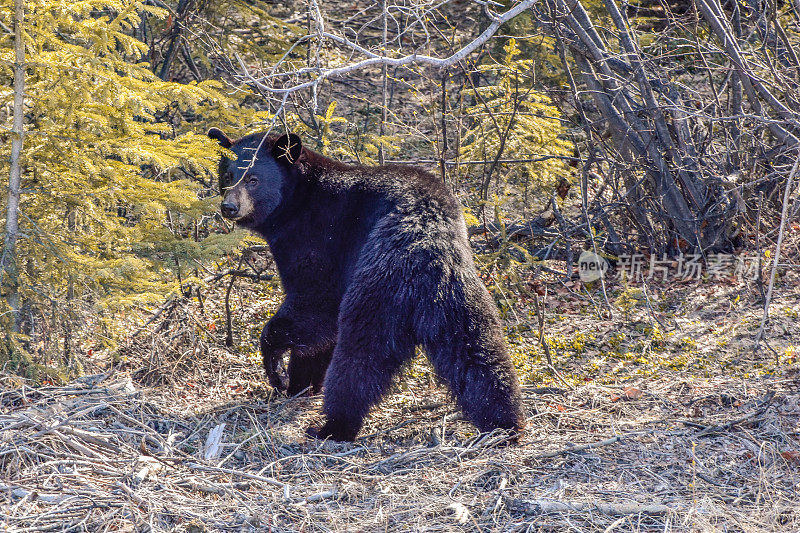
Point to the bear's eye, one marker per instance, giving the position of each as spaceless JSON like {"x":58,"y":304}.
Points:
{"x":252,"y":180}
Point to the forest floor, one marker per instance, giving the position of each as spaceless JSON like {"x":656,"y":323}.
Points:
{"x":660,"y":417}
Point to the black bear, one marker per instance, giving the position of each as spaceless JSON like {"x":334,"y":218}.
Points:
{"x":374,"y":261}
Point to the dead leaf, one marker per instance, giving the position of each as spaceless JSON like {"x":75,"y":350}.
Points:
{"x":632,"y":393}
{"x":563,"y":188}
{"x":538,"y":287}
{"x":791,"y":456}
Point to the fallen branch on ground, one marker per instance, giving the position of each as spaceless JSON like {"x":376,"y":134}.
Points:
{"x":581,"y":448}
{"x":554,"y":506}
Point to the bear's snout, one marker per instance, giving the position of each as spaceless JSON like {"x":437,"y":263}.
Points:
{"x":229,"y":209}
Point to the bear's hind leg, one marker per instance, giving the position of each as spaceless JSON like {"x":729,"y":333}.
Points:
{"x":464,"y":342}
{"x":320,"y":368}
{"x":483,"y":381}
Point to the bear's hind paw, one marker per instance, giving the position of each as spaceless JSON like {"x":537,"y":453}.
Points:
{"x":332,"y":432}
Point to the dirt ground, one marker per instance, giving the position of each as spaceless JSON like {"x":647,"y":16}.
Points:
{"x":660,"y":417}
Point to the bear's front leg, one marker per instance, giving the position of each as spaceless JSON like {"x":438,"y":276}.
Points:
{"x":309,"y":336}
{"x":307,"y":368}
{"x":273,"y":345}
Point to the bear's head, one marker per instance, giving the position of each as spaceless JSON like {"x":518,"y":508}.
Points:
{"x":256,"y":182}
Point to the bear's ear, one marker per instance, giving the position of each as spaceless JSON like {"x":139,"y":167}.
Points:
{"x":221,"y":138}
{"x":287,"y":148}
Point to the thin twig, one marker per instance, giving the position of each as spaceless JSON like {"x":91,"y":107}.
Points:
{"x":786,"y":192}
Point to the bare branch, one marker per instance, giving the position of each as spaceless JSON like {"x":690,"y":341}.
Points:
{"x":373,"y":59}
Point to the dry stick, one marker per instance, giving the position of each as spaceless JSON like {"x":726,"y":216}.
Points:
{"x":558,"y":375}
{"x":187,"y":57}
{"x":8,"y":261}
{"x":19,"y":492}
{"x":384,"y":85}
{"x":322,"y":495}
{"x":752,"y":85}
{"x":539,"y":308}
{"x":581,"y":448}
{"x":228,"y":320}
{"x":656,"y":115}
{"x":86,"y":436}
{"x":565,"y":232}
{"x":785,"y":208}
{"x":132,"y":495}
{"x":585,"y":171}
{"x":374,"y":59}
{"x":504,"y":136}
{"x":150,"y":432}
{"x":239,"y":273}
{"x":759,"y":410}
{"x":247,"y":475}
{"x":155,"y":316}
{"x":443,"y":158}
{"x":457,"y":162}
{"x":497,"y":127}
{"x":622,"y":115}
{"x":760,"y":276}
{"x":175,"y":40}
{"x":553,"y":506}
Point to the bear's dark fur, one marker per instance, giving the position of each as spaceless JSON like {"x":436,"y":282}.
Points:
{"x":374,"y":261}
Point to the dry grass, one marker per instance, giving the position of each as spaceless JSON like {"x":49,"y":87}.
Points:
{"x":613,"y":443}
{"x":105,"y":454}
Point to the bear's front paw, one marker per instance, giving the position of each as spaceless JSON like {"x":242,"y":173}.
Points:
{"x":278,"y":380}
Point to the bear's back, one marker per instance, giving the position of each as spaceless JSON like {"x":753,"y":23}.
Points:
{"x":402,"y":186}
{"x":415,"y":225}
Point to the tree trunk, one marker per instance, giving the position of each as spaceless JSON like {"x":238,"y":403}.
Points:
{"x":9,"y":258}
{"x":175,"y":40}
{"x":385,"y":83}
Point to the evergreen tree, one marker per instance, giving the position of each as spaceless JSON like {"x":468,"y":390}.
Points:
{"x":113,"y":202}
{"x":511,"y":120}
